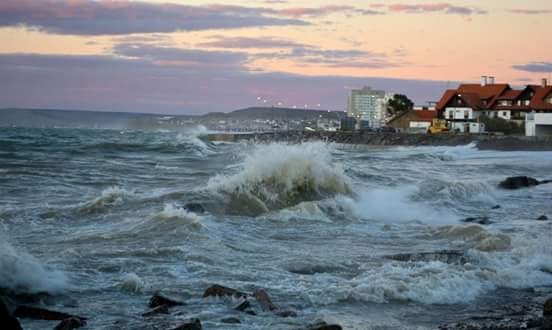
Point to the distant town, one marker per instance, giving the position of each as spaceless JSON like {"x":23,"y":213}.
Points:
{"x":486,"y":107}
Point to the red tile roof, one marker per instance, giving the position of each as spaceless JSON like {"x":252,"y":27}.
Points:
{"x":425,"y":115}
{"x":485,"y":97}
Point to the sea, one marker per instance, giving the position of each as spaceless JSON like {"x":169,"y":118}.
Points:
{"x":93,"y":222}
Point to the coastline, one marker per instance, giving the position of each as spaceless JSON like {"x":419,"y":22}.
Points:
{"x":482,"y":142}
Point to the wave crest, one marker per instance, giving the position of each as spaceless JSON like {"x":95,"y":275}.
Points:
{"x":277,"y":176}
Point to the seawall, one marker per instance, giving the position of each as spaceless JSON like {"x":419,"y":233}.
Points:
{"x":483,"y":142}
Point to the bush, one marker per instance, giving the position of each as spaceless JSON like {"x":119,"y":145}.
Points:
{"x":501,"y":125}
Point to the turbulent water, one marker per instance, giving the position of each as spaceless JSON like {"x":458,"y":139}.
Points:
{"x":93,"y":222}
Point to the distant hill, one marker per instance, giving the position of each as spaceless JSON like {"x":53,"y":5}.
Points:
{"x":98,"y":119}
{"x":276,"y":113}
{"x":66,"y":118}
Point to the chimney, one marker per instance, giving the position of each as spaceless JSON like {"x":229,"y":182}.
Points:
{"x":544,"y":82}
{"x":483,"y":80}
{"x":491,"y":80}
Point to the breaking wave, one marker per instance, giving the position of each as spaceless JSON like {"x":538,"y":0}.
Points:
{"x":22,"y":273}
{"x":108,"y":198}
{"x":278,"y":176}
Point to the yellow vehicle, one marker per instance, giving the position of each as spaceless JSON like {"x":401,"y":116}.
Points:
{"x":438,"y":126}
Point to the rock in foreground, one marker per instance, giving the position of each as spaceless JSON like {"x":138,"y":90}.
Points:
{"x":191,"y":324}
{"x":518,"y":182}
{"x":221,"y":291}
{"x":7,"y":321}
{"x":158,"y":300}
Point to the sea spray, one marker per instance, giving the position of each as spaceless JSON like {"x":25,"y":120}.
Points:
{"x":22,"y":273}
{"x":277,"y":176}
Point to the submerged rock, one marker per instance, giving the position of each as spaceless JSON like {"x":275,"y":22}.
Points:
{"x":191,"y":324}
{"x":446,"y":256}
{"x":162,"y":309}
{"x":322,"y":326}
{"x":242,"y":305}
{"x":285,"y":313}
{"x":542,"y":218}
{"x":158,"y":300}
{"x":194,"y":207}
{"x":518,"y":182}
{"x":70,"y":324}
{"x":479,"y":220}
{"x":264,"y":300}
{"x":231,"y":320}
{"x":221,"y":291}
{"x":42,"y":314}
{"x":496,"y":207}
{"x":7,"y":321}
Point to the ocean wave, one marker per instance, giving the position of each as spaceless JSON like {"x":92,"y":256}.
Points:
{"x":492,"y":260}
{"x":22,"y":273}
{"x":278,"y":176}
{"x":108,"y":198}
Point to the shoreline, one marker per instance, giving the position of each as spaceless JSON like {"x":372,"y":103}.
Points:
{"x":483,"y":142}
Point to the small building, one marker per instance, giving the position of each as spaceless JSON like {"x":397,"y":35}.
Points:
{"x":538,"y":124}
{"x":348,"y":123}
{"x":413,"y":120}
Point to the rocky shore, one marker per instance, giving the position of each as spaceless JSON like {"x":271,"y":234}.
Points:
{"x":483,"y":142}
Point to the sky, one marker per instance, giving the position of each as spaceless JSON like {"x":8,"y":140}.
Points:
{"x":197,"y":56}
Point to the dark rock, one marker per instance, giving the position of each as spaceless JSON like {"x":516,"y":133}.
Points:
{"x":7,"y":321}
{"x":162,"y":309}
{"x":70,"y":324}
{"x":221,"y":291}
{"x":158,"y":300}
{"x":479,"y":220}
{"x":230,"y":320}
{"x":496,"y":207}
{"x":518,"y":182}
{"x":191,"y":324}
{"x":250,"y":312}
{"x":547,"y":308}
{"x":42,"y":314}
{"x":264,"y":299}
{"x":322,"y":326}
{"x":446,"y":256}
{"x":286,"y":313}
{"x":194,"y":207}
{"x":542,"y":218}
{"x":242,"y":305}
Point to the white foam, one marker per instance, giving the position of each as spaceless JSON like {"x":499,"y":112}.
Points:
{"x":109,"y":197}
{"x":132,"y":283}
{"x":394,"y":205}
{"x":21,"y":272}
{"x":285,"y":175}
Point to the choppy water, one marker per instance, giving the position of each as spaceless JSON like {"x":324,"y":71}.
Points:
{"x":95,"y":218}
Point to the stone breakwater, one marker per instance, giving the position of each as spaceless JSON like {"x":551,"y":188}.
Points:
{"x":483,"y":142}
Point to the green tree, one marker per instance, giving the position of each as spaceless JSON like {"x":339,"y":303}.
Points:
{"x":399,"y":103}
{"x":501,"y":125}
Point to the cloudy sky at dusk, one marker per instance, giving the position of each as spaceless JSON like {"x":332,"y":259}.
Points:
{"x":196,"y":56}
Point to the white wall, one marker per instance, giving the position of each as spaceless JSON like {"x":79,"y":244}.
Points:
{"x":419,"y":124}
{"x":538,"y":124}
{"x":459,"y":113}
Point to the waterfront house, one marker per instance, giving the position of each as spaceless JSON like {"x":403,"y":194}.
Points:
{"x":462,"y":107}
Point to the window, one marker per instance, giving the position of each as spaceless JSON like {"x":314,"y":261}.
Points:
{"x":504,"y":114}
{"x":466,"y":114}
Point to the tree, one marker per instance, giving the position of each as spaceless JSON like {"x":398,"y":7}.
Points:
{"x":399,"y":103}
{"x":498,"y":124}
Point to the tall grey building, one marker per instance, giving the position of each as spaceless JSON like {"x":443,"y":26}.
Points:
{"x":368,"y":105}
